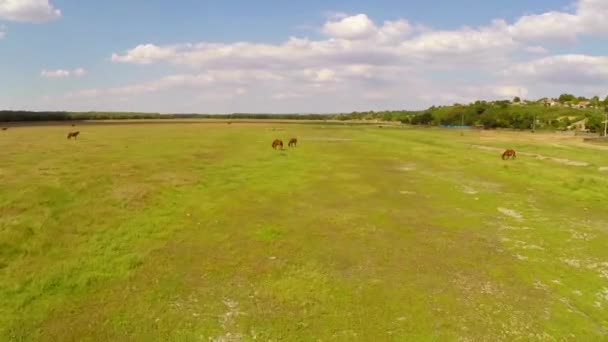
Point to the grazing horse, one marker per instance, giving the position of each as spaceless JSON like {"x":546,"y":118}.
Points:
{"x":293,"y":142}
{"x":277,"y":143}
{"x":4,"y":128}
{"x":73,"y":135}
{"x":509,"y":153}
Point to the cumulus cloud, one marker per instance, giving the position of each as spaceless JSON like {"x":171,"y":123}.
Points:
{"x":146,"y":54}
{"x":510,"y":91}
{"x":358,"y":39}
{"x":564,"y":69}
{"x":61,"y":73}
{"x":32,"y":11}
{"x":385,"y":47}
{"x":588,"y":18}
{"x":550,"y":26}
{"x":363,"y":62}
{"x":354,"y":27}
{"x":536,"y":49}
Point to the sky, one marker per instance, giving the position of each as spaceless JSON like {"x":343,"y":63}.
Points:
{"x":315,"y":56}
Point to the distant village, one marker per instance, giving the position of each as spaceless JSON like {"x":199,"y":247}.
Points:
{"x":568,"y":101}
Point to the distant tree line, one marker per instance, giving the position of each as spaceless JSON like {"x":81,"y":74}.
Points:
{"x":10,"y":116}
{"x":516,"y":114}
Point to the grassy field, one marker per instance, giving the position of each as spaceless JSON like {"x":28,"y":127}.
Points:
{"x":203,"y":232}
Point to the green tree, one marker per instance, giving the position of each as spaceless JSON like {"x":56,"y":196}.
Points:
{"x":516,"y":99}
{"x":566,"y":97}
{"x":423,"y":119}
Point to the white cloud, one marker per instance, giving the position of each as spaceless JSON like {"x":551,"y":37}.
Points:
{"x":145,"y":54}
{"x":471,"y":43}
{"x":510,"y":91}
{"x":61,"y":73}
{"x":537,"y":49}
{"x":588,"y":18}
{"x":321,"y":75}
{"x":354,"y":40}
{"x":33,"y":11}
{"x":286,"y":96}
{"x":79,"y":72}
{"x":564,"y":69}
{"x":362,"y":64}
{"x":394,"y":31}
{"x":354,"y":27}
{"x":85,"y":93}
{"x":550,"y":26}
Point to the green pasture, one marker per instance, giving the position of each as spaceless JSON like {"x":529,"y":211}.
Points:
{"x":186,"y":232}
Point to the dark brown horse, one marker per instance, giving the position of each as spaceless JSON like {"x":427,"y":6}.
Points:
{"x":73,"y":135}
{"x":293,"y":142}
{"x":509,"y":154}
{"x":4,"y":128}
{"x":277,"y":143}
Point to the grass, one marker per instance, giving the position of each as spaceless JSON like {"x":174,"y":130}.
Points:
{"x":203,"y":232}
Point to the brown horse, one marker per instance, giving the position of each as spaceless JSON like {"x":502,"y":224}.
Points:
{"x":4,"y":128}
{"x":509,"y":153}
{"x":277,"y":143}
{"x":293,"y":142}
{"x":73,"y":135}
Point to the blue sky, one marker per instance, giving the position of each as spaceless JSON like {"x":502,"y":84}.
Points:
{"x":299,"y":56}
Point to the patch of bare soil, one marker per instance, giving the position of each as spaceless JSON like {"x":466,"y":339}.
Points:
{"x":603,"y":168}
{"x":406,"y":168}
{"x":227,"y":321}
{"x":132,"y":193}
{"x":558,"y":160}
{"x":511,"y":213}
{"x":469,"y":191}
{"x":174,"y":179}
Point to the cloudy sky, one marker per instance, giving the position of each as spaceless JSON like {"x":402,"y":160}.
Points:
{"x":223,"y":56}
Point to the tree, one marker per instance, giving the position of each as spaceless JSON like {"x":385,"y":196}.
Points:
{"x":595,"y":101}
{"x":566,"y":98}
{"x":516,"y":99}
{"x":423,"y":119}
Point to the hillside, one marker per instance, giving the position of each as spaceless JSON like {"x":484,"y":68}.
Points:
{"x":498,"y":114}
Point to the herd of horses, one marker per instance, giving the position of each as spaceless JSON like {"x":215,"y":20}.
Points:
{"x":293,"y":142}
{"x":278,"y":143}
